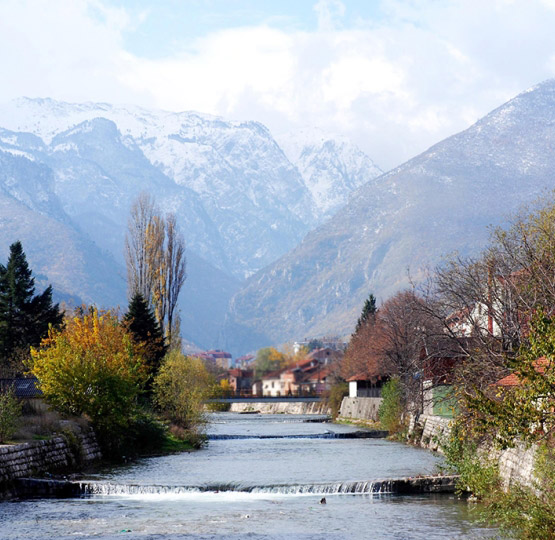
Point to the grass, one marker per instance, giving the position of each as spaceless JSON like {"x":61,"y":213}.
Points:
{"x":359,"y":422}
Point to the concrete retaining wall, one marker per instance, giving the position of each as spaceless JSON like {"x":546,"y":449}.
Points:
{"x":360,"y":408}
{"x":39,"y":457}
{"x":298,"y":407}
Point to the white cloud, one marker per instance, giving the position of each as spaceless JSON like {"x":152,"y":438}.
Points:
{"x":328,"y":12}
{"x":396,"y":85}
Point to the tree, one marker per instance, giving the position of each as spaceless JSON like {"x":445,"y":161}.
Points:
{"x":24,"y":316}
{"x":91,"y":367}
{"x":368,"y":311}
{"x":143,"y":243}
{"x":390,"y":343}
{"x":156,"y":263}
{"x":484,"y":304}
{"x":269,"y":359}
{"x":180,"y":388}
{"x":144,"y":327}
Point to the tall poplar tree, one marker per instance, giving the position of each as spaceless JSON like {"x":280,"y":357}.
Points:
{"x":156,"y":263}
{"x":24,"y":316}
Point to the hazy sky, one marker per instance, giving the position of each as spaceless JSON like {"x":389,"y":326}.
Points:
{"x":395,"y":76}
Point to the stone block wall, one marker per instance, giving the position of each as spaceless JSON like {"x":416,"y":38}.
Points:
{"x":360,"y":408}
{"x":435,"y":431}
{"x":39,"y":457}
{"x":516,"y":465}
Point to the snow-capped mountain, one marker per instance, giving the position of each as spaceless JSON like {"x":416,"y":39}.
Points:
{"x":331,"y":167}
{"x":239,"y":200}
{"x":404,"y":221}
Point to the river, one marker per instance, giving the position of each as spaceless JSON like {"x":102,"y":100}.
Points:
{"x":260,"y":476}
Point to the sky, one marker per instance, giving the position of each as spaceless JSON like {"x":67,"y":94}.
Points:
{"x":394,"y":76}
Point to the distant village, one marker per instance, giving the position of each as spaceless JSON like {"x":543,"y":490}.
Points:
{"x":312,"y":374}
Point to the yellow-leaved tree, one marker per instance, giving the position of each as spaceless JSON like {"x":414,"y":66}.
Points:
{"x":91,"y":367}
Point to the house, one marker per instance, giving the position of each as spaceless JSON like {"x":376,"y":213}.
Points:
{"x":240,"y":381}
{"x":272,"y":384}
{"x":311,"y":376}
{"x":220,"y":358}
{"x":513,"y":380}
{"x":327,"y":342}
{"x":366,"y":385}
{"x":244,"y":362}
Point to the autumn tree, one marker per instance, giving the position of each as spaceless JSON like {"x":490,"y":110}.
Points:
{"x":143,"y":245}
{"x":405,"y":328}
{"x":91,"y":367}
{"x":390,"y":342}
{"x":364,"y":354}
{"x":180,"y":388}
{"x":156,"y":263}
{"x":269,"y":359}
{"x":24,"y":316}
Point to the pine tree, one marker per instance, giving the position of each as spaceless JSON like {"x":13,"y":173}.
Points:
{"x":24,"y":317}
{"x":369,"y":310}
{"x":146,"y":332}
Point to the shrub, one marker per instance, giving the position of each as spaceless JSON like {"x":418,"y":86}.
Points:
{"x":391,"y":409}
{"x":10,"y":414}
{"x":335,"y":396}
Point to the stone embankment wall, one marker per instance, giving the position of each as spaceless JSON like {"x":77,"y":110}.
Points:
{"x":39,"y":457}
{"x":295,"y":407}
{"x":516,"y":465}
{"x":360,"y":408}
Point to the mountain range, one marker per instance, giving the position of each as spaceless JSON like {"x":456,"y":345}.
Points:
{"x":71,"y":171}
{"x":286,"y":236}
{"x":403,"y":223}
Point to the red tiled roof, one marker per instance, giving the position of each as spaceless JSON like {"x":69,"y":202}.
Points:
{"x":514,"y":380}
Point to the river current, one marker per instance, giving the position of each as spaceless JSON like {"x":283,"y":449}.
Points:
{"x":259,"y":477}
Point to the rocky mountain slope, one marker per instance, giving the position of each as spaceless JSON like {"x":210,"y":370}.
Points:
{"x":406,"y":220}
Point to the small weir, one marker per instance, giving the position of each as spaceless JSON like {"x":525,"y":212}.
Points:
{"x":33,"y":488}
{"x":363,"y":434}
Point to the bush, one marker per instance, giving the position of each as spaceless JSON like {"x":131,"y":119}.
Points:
{"x":180,"y":388}
{"x":10,"y":414}
{"x":391,"y":409}
{"x":335,"y":396}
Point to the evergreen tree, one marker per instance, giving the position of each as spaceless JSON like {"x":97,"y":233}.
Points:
{"x":369,"y":310}
{"x":146,"y":331}
{"x":24,"y":317}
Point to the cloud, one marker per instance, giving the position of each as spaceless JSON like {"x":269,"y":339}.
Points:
{"x":395,"y":84}
{"x":328,"y":12}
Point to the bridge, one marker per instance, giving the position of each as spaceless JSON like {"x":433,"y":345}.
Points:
{"x":267,"y":399}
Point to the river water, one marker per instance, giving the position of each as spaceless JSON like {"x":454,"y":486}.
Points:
{"x":260,"y":476}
